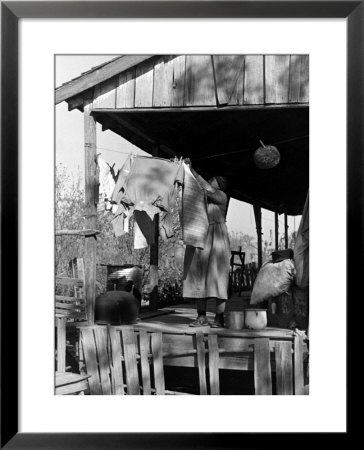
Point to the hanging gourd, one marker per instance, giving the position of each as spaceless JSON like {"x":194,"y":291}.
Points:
{"x":267,"y":156}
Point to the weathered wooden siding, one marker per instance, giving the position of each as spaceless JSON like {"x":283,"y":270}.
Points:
{"x":207,"y":80}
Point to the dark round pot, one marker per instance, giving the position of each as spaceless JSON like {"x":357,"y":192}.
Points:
{"x":116,"y":308}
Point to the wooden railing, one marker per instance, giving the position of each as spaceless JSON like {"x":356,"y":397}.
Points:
{"x":121,"y":359}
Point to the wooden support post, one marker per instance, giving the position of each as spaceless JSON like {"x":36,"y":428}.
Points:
{"x":61,"y":344}
{"x":258,"y":224}
{"x":91,"y":183}
{"x":285,"y":230}
{"x":153,"y":261}
{"x":276,"y":230}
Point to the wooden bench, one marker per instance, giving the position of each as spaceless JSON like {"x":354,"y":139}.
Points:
{"x":112,"y":352}
{"x":258,"y":352}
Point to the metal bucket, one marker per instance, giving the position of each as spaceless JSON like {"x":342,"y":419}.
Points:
{"x":235,"y":320}
{"x":119,"y":276}
{"x":255,"y":318}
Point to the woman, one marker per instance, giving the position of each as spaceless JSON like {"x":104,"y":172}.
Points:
{"x":208,"y":268}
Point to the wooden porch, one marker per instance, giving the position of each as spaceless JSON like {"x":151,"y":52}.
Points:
{"x":143,"y":353}
{"x":214,"y":109}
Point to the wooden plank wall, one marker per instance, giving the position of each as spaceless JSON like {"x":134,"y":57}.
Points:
{"x":207,"y":80}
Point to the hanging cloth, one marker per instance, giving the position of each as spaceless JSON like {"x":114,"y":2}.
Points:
{"x":194,"y":219}
{"x":106,"y":180}
{"x":148,"y":185}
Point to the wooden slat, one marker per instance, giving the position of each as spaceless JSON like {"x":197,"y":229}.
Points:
{"x":236,"y":344}
{"x":284,"y":373}
{"x":105,"y":94}
{"x":126,"y":90}
{"x":69,"y":314}
{"x":103,"y":359}
{"x":61,"y":344}
{"x":298,"y":366}
{"x":200,"y":83}
{"x":87,"y":232}
{"x":64,"y":298}
{"x":276,"y":78}
{"x":65,"y":378}
{"x":299,"y":79}
{"x":80,"y":266}
{"x":229,"y":74}
{"x":91,"y":210}
{"x":201,"y":361}
{"x":117,"y":370}
{"x":89,"y":80}
{"x":144,"y":361}
{"x":72,"y":389}
{"x":163,"y":82}
{"x":253,"y":80}
{"x":262,"y":369}
{"x":89,"y":351}
{"x":179,"y":77}
{"x":70,"y":306}
{"x":157,"y":354}
{"x":144,"y":76}
{"x":69,"y":281}
{"x":169,"y":81}
{"x":130,"y":355}
{"x":237,"y":96}
{"x":214,"y":365}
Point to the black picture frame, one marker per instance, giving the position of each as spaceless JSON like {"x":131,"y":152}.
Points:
{"x":11,"y":12}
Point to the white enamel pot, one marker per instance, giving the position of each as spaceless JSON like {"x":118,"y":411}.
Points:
{"x":255,"y":319}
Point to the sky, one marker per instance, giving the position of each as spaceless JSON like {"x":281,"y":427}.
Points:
{"x":114,"y":149}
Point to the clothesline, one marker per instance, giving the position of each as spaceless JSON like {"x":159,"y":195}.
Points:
{"x":218,"y":154}
{"x":252,"y":148}
{"x":116,"y":151}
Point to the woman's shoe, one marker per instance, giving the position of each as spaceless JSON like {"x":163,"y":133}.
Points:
{"x":201,"y":321}
{"x":218,"y":322}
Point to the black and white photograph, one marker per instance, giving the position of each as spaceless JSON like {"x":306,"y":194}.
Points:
{"x":181,"y":224}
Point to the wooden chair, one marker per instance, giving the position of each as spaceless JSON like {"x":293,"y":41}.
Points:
{"x":69,"y":310}
{"x":236,"y":275}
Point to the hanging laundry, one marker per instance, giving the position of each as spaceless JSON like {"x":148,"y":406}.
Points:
{"x":195,"y":222}
{"x":139,"y":239}
{"x":127,"y":217}
{"x":118,"y":225}
{"x":123,"y":174}
{"x":147,"y":186}
{"x":106,"y":181}
{"x":146,"y":225}
{"x":166,"y":230}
